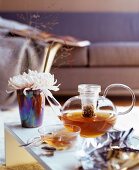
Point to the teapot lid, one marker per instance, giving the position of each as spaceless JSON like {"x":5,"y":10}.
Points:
{"x":89,"y":88}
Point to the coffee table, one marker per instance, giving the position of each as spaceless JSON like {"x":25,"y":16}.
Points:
{"x":15,"y":135}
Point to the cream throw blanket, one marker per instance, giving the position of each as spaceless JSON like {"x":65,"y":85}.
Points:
{"x":17,"y":55}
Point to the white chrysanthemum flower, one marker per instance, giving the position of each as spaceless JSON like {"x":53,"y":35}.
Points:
{"x":33,"y":80}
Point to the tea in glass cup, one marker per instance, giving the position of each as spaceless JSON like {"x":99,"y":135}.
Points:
{"x":60,"y":136}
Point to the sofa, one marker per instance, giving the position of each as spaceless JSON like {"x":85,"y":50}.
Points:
{"x":112,"y":57}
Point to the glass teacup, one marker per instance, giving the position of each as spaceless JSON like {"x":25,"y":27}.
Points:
{"x":60,"y":136}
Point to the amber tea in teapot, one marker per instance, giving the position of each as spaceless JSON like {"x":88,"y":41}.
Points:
{"x":94,"y":114}
{"x":90,"y":126}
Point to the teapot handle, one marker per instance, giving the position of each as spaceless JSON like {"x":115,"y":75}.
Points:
{"x":126,"y":87}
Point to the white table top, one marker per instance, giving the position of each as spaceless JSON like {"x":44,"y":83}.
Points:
{"x":62,"y":160}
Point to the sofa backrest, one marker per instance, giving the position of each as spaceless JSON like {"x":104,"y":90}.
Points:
{"x":94,"y":26}
{"x":99,"y":27}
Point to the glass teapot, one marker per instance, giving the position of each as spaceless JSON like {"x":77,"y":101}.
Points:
{"x":94,"y":114}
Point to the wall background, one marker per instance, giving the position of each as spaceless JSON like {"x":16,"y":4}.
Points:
{"x":70,"y":5}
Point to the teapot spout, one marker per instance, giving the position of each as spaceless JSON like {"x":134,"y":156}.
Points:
{"x":55,"y":105}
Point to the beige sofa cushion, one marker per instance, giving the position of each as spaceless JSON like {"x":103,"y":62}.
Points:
{"x":104,"y":76}
{"x":114,"y":54}
{"x":71,"y":56}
